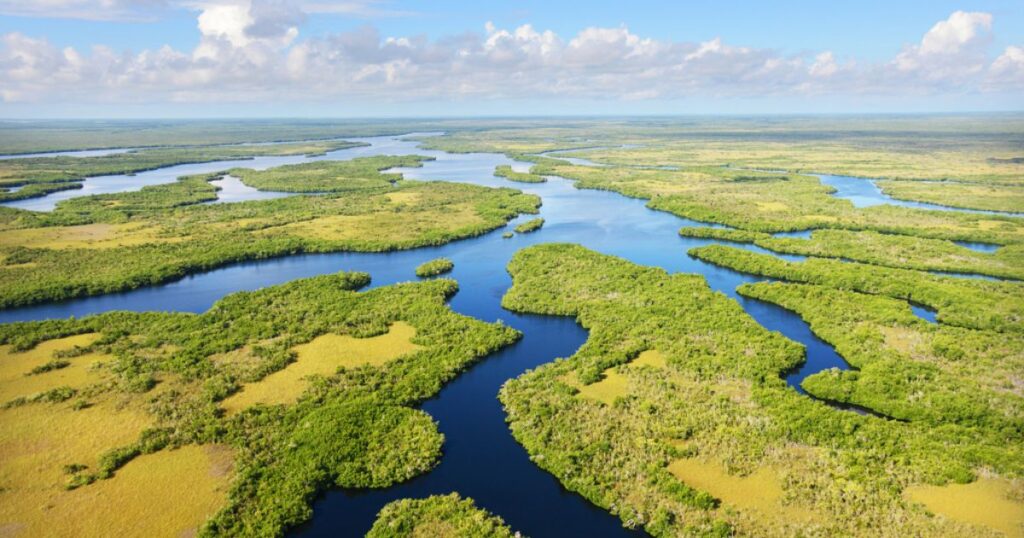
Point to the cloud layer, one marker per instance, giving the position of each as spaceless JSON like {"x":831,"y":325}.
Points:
{"x":251,"y":51}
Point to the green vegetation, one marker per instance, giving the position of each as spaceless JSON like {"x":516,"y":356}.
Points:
{"x":969,"y":303}
{"x":907,"y":368}
{"x":114,"y":242}
{"x":506,"y":171}
{"x":888,"y":250}
{"x":173,"y":370}
{"x":531,"y":225}
{"x":438,"y":515}
{"x":329,"y":176}
{"x":717,"y":397}
{"x":434,"y":267}
{"x":41,"y":175}
{"x":955,"y":194}
{"x":43,"y":136}
{"x":718,"y":161}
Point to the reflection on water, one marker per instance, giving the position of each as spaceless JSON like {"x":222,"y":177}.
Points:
{"x":231,"y":189}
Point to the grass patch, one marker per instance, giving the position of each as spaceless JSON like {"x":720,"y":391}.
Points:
{"x":323,"y":357}
{"x":24,"y":374}
{"x":135,"y":501}
{"x":760,"y":492}
{"x":987,"y":502}
{"x":37,"y":441}
{"x":90,"y":236}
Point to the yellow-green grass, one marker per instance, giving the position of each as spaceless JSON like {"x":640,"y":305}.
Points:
{"x":97,"y":235}
{"x":169,"y":493}
{"x":324,"y":356}
{"x":987,"y":502}
{"x":393,"y":226}
{"x":615,"y":384}
{"x":17,"y":379}
{"x":990,"y":197}
{"x":38,"y":440}
{"x":651,"y":357}
{"x":759,"y":493}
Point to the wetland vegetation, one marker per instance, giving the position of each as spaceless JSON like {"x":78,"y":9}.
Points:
{"x":675,"y":415}
{"x":113,"y":242}
{"x":149,"y":383}
{"x":434,"y":267}
{"x":717,"y":396}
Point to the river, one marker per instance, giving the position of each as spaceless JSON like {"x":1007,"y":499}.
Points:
{"x":481,"y":459}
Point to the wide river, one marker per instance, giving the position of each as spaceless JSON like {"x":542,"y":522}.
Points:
{"x":481,"y":459}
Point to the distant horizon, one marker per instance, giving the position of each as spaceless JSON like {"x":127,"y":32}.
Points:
{"x":523,"y":116}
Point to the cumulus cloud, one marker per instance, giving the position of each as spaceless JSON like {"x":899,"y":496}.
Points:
{"x":251,"y":50}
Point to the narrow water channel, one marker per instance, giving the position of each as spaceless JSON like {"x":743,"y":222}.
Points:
{"x":481,"y":459}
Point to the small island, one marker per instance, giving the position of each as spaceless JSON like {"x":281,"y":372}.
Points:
{"x":434,"y":267}
{"x":531,"y":225}
{"x":506,"y":171}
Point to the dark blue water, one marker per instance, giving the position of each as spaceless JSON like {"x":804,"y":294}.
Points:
{"x":481,"y":459}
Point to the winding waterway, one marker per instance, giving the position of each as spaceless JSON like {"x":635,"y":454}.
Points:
{"x":481,"y":459}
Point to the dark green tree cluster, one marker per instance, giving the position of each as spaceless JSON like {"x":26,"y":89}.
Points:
{"x":450,"y":516}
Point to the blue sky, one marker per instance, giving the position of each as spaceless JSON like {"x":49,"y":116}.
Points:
{"x":311,"y":57}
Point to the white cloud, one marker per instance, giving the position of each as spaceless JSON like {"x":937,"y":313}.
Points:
{"x":251,"y":51}
{"x":953,"y":34}
{"x":953,"y":50}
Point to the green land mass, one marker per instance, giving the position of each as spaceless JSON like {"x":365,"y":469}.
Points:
{"x":434,"y":267}
{"x":113,"y":242}
{"x":43,"y":175}
{"x":176,"y":369}
{"x":674,"y":417}
{"x":439,"y":515}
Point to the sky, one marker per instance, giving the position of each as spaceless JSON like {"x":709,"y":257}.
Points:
{"x":379,"y":58}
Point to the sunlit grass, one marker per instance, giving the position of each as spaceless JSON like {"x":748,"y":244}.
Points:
{"x":986,"y":502}
{"x":760,"y":492}
{"x":38,"y":440}
{"x":168,"y":493}
{"x":615,"y":384}
{"x":16,"y":368}
{"x":323,"y":356}
{"x":99,"y":235}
